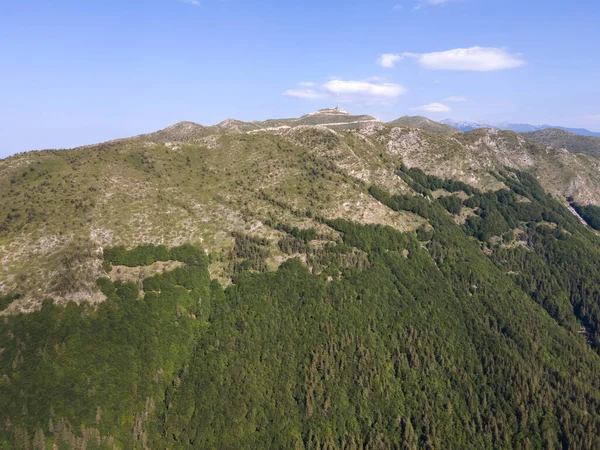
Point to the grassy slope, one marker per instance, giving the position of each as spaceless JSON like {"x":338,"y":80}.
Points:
{"x":69,"y":204}
{"x":428,"y":345}
{"x":196,"y":184}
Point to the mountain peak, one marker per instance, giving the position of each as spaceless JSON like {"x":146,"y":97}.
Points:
{"x":329,"y":111}
{"x":184,"y":125}
{"x":423,"y":123}
{"x":181,"y":131}
{"x":335,"y":117}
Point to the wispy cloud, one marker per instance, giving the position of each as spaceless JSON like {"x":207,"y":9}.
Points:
{"x":307,"y":84}
{"x":372,"y":90}
{"x":389,"y":60}
{"x":439,"y":107}
{"x":365,"y":88}
{"x":477,"y":59}
{"x":455,"y":99}
{"x":430,"y":2}
{"x":191,"y":2}
{"x":433,"y":108}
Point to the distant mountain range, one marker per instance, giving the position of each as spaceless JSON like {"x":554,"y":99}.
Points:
{"x":516,"y":127}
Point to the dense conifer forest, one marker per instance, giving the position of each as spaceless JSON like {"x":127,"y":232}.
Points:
{"x":589,"y":213}
{"x":479,"y":335}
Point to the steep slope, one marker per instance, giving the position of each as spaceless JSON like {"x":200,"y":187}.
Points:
{"x":563,"y":139}
{"x":62,"y":207}
{"x":197,"y":184}
{"x":422,"y":123}
{"x":474,"y":157}
{"x":381,"y":354}
{"x":379,"y":339}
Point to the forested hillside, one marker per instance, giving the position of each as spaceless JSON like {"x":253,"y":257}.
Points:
{"x":480,"y":329}
{"x":220,"y":229}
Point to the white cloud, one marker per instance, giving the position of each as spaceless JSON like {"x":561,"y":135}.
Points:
{"x":434,"y":108}
{"x":191,"y":2}
{"x":389,"y":60}
{"x":371,"y":90}
{"x":455,"y":99}
{"x":306,"y":83}
{"x":374,"y":90}
{"x":304,"y":93}
{"x":478,"y":59}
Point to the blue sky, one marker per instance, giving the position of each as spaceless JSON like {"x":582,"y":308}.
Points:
{"x":74,"y":72}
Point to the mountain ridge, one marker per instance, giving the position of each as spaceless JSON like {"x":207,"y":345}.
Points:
{"x":559,"y":138}
{"x":197,"y":173}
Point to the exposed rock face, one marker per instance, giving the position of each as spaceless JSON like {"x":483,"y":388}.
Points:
{"x":473,"y":157}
